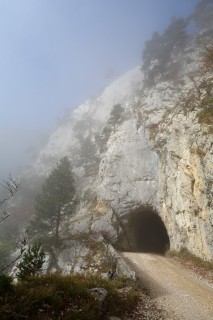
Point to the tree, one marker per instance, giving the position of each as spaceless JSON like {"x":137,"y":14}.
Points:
{"x":32,"y":262}
{"x":115,"y":115}
{"x":175,"y":35}
{"x":159,"y":51}
{"x":11,"y":186}
{"x":102,"y":138}
{"x":84,"y":126}
{"x":203,"y":15}
{"x":152,"y":49}
{"x":54,"y":203}
{"x":88,"y":156}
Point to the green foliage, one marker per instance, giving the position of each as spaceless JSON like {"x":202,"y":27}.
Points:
{"x":32,"y":262}
{"x":68,"y":297}
{"x":54,"y":203}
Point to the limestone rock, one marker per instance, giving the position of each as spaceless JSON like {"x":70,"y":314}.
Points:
{"x":100,"y":294}
{"x":159,"y":155}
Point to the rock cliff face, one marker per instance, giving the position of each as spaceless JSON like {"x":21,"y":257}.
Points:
{"x":157,"y":159}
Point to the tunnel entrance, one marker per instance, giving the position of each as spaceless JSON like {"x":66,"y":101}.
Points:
{"x":145,"y":232}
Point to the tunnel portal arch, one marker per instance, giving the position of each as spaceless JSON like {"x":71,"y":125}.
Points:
{"x":145,"y":232}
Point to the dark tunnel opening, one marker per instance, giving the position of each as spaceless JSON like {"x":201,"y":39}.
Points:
{"x":145,"y":232}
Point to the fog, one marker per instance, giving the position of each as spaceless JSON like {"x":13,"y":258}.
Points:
{"x":55,"y":54}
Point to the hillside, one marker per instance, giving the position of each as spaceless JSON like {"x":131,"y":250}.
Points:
{"x":154,"y":161}
{"x":141,"y":152}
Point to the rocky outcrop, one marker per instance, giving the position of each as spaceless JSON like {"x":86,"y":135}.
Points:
{"x":159,"y":156}
{"x":185,"y":186}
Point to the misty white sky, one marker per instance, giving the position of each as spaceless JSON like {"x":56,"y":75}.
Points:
{"x":57,"y":53}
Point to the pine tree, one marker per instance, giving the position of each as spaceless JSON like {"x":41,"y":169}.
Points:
{"x":32,"y":262}
{"x":102,"y":138}
{"x":115,"y":115}
{"x":175,"y":35}
{"x":54,"y":203}
{"x":160,"y":49}
{"x":152,"y":49}
{"x":203,"y":14}
{"x":88,"y":156}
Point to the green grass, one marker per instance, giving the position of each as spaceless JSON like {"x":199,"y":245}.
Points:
{"x":66,"y":297}
{"x":185,"y":255}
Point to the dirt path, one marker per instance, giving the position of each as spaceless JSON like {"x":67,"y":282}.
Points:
{"x":177,"y":290}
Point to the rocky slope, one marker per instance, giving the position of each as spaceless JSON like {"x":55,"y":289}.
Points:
{"x":158,"y":157}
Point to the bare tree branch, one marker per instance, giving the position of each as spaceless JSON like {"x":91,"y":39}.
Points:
{"x":11,"y":185}
{"x":23,"y":244}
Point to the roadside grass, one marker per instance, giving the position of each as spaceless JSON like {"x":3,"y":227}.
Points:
{"x":188,"y":258}
{"x":52,"y":297}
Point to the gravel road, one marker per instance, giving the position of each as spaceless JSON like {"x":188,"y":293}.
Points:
{"x":177,"y":290}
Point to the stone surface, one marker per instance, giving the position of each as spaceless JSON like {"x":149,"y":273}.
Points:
{"x":100,"y":294}
{"x":128,"y":171}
